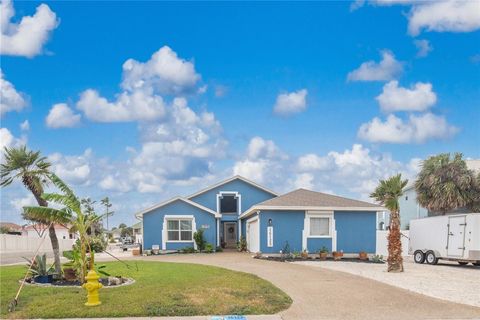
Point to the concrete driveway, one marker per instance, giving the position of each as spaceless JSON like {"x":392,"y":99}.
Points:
{"x":320,"y":293}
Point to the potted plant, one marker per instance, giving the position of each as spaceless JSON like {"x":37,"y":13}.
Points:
{"x":323,"y":253}
{"x":40,"y":271}
{"x":337,"y":255}
{"x":304,"y":254}
{"x":363,"y":255}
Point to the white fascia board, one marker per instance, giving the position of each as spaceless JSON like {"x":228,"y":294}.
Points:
{"x":141,"y":213}
{"x":309,"y":208}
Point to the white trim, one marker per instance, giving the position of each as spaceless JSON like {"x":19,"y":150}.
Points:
{"x":165,"y":231}
{"x":254,"y":208}
{"x":229,"y":180}
{"x":218,"y":232}
{"x":237,"y":195}
{"x":247,"y":231}
{"x":332,"y":227}
{"x":141,"y":213}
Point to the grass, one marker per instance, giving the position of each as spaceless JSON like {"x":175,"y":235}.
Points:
{"x":161,"y":289}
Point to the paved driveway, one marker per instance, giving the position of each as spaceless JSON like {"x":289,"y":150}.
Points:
{"x":320,"y":293}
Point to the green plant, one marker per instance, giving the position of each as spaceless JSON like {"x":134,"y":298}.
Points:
{"x":296,"y":254}
{"x":38,"y":266}
{"x":377,"y":258}
{"x":219,"y":249}
{"x":33,"y":170}
{"x":387,"y":193}
{"x":445,"y":183}
{"x":187,"y":250}
{"x":285,"y":252}
{"x":95,"y":243}
{"x":199,"y":240}
{"x":242,"y":244}
{"x":208,"y":248}
{"x":324,"y":250}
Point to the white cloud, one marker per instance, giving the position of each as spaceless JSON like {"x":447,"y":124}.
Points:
{"x":387,"y":69}
{"x":27,"y":37}
{"x":8,"y":140}
{"x":419,"y":97}
{"x":25,"y":126}
{"x":10,"y":98}
{"x":165,"y":72}
{"x":19,"y":203}
{"x":445,"y":16}
{"x":61,"y":116}
{"x":424,"y":47}
{"x":291,"y":103}
{"x":114,"y":183}
{"x":312,"y":161}
{"x":135,"y":106}
{"x":417,"y":129}
{"x":73,"y":169}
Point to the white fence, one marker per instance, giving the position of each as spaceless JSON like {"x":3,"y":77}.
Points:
{"x":12,"y":243}
{"x":382,"y":242}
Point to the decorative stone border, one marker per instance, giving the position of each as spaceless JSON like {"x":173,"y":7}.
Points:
{"x":128,"y":282}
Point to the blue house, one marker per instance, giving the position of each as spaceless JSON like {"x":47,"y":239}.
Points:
{"x":238,"y":207}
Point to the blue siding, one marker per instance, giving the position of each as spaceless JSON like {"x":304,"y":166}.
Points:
{"x":315,"y":244}
{"x":153,"y":224}
{"x":356,"y":231}
{"x":250,"y":195}
{"x":287,"y":226}
{"x":179,"y":245}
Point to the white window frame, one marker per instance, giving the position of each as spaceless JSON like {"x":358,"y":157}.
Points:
{"x":179,"y":229}
{"x":165,"y":231}
{"x":311,"y":215}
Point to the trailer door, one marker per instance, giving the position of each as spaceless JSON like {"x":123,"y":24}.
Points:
{"x":456,"y":236}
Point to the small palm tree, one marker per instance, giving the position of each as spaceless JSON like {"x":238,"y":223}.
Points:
{"x":445,"y":183}
{"x":387,"y":193}
{"x":70,"y":213}
{"x":33,"y":171}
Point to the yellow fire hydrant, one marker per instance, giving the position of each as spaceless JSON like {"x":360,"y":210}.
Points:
{"x":92,"y":285}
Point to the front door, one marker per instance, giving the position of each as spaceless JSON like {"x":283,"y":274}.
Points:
{"x":456,"y":236}
{"x":230,"y":234}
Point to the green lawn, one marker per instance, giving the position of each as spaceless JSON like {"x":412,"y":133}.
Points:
{"x":161,"y":289}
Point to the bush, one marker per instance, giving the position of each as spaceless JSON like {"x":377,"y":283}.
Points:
{"x":324,"y":250}
{"x":97,"y":244}
{"x":208,"y":248}
{"x":199,"y":240}
{"x":242,"y":244}
{"x":187,"y":250}
{"x":219,"y":249}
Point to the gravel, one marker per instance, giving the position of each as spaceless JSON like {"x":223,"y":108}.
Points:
{"x":447,"y":280}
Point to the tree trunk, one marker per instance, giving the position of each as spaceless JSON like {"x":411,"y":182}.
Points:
{"x":28,"y":182}
{"x":395,"y":259}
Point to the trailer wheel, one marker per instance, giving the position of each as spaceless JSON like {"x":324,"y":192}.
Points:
{"x":462,"y":263}
{"x":419,"y":256}
{"x":430,"y":257}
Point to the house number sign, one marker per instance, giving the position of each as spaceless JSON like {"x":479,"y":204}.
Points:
{"x":205,"y":226}
{"x":270,"y":236}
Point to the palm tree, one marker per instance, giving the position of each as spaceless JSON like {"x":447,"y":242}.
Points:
{"x":70,"y":213}
{"x":106,"y":202}
{"x":446,"y":183}
{"x":387,"y":193}
{"x":33,"y":170}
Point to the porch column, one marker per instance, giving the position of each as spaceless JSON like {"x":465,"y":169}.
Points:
{"x":218,"y":232}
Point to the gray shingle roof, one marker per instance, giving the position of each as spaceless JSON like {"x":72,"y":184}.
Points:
{"x":307,"y":198}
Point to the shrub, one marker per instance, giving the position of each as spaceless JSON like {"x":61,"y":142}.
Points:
{"x":219,"y":249}
{"x":242,"y":244}
{"x":97,"y":244}
{"x":199,"y":240}
{"x":187,"y":250}
{"x":324,"y":250}
{"x":208,"y":248}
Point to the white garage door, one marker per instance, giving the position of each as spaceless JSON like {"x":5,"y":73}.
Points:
{"x":252,"y":236}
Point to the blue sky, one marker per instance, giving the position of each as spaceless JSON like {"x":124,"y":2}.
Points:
{"x":272,"y":91}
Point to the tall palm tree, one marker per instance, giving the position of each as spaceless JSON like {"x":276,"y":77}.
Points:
{"x":446,"y":183}
{"x":33,"y":171}
{"x":387,"y":193}
{"x":106,"y":202}
{"x":72,"y":213}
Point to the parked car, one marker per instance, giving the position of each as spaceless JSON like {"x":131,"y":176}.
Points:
{"x":451,"y":237}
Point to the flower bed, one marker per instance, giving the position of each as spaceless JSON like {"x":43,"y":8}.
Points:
{"x":110,"y":282}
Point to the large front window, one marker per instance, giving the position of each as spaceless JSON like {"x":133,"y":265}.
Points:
{"x":319,"y":226}
{"x":179,"y":229}
{"x":228,"y":204}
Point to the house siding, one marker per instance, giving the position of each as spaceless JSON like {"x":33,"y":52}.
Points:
{"x":250,"y":194}
{"x":315,"y":244}
{"x":410,"y":209}
{"x":287,"y":227}
{"x":153,"y":224}
{"x":356,"y":231}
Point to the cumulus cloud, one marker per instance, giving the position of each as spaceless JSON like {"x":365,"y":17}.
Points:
{"x":419,"y":97}
{"x":73,"y":169}
{"x":8,"y":140}
{"x":387,"y":69}
{"x":445,"y":16}
{"x":27,"y":37}
{"x":10,"y":98}
{"x":418,"y":129}
{"x":291,"y":103}
{"x":165,"y":72}
{"x":115,"y":183}
{"x":61,"y":116}
{"x":25,"y":126}
{"x":424,"y":47}
{"x":19,"y":203}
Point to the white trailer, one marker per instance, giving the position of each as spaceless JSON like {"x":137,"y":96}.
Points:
{"x":450,"y":237}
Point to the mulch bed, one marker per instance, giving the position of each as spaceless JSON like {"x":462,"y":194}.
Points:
{"x":315,"y":259}
{"x":76,"y":283}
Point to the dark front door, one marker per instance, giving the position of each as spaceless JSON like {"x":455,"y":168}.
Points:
{"x":230,"y":234}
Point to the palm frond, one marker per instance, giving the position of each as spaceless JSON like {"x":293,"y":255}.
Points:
{"x":47,"y":215}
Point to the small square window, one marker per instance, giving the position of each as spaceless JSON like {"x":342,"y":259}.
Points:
{"x":319,"y":226}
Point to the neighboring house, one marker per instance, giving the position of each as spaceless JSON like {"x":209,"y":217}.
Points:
{"x":137,"y":232}
{"x":38,"y":230}
{"x":238,"y":207}
{"x":409,"y":207}
{"x":12,"y":228}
